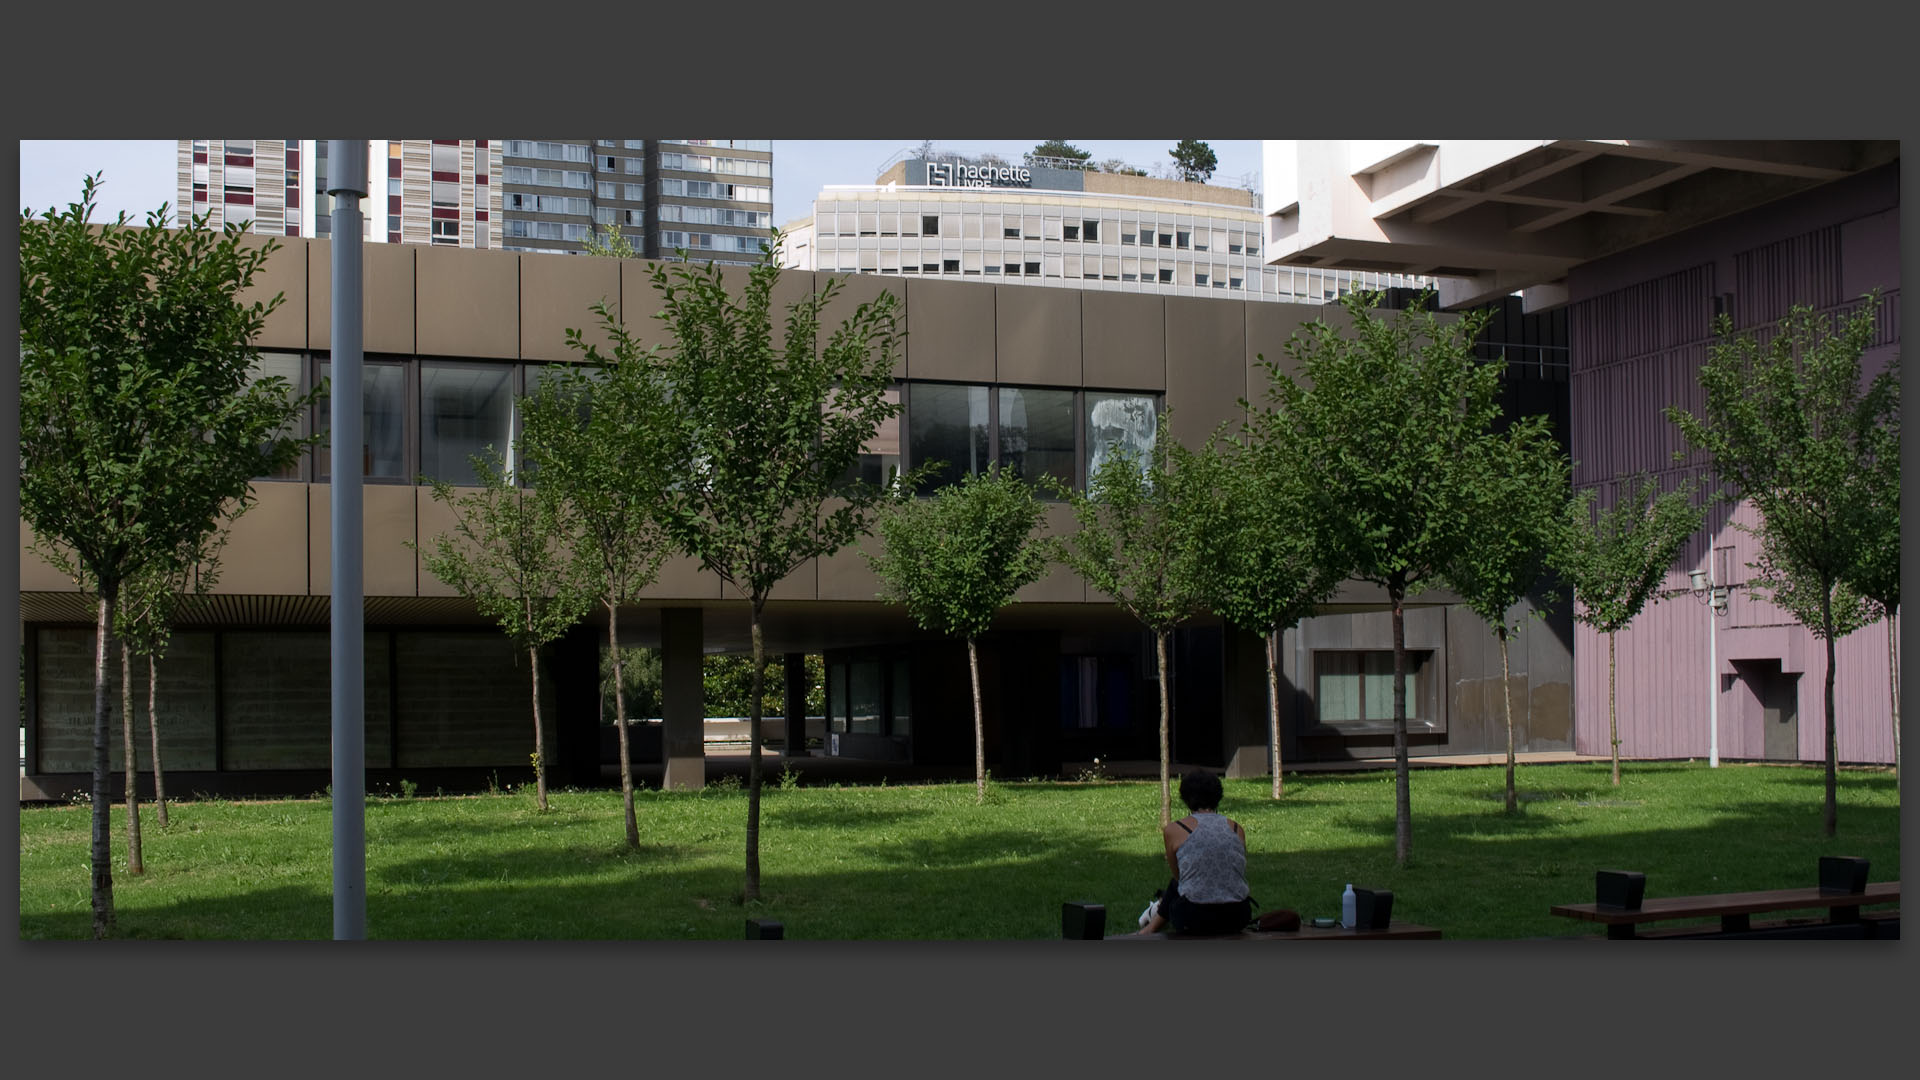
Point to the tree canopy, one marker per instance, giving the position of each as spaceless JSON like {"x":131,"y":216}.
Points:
{"x":1057,"y":148}
{"x":141,"y":424}
{"x":1194,"y":159}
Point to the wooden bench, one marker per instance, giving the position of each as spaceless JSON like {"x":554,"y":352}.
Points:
{"x":1620,"y":908}
{"x":1087,"y":922}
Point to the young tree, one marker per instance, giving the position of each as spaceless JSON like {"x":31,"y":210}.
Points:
{"x":139,"y":424}
{"x":514,"y":552}
{"x":955,"y":560}
{"x":1058,"y":148}
{"x":1387,"y":428}
{"x":1522,"y":496}
{"x":145,"y":626}
{"x":767,"y":431}
{"x":609,"y":243}
{"x":596,"y":437}
{"x":1137,"y":543}
{"x":1789,"y":426}
{"x":1614,"y":560}
{"x":1194,"y":159}
{"x":1262,"y":567}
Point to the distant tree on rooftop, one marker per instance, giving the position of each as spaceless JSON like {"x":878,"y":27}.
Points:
{"x":1058,"y":148}
{"x":1195,"y":160}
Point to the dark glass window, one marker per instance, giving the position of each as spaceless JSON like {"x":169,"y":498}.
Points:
{"x":292,"y":368}
{"x":864,"y":697}
{"x":383,"y":421}
{"x":465,"y":410}
{"x":948,"y":424}
{"x":1036,"y":434}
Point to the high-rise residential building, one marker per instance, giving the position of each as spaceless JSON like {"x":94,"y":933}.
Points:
{"x":1054,"y":222}
{"x":713,"y":197}
{"x":437,"y":191}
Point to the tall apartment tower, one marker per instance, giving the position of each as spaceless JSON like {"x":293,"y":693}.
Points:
{"x":713,"y":197}
{"x":436,"y":191}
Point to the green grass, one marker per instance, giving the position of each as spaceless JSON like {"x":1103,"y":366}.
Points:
{"x":926,"y":863}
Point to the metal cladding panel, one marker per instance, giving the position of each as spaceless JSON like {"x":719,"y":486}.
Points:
{"x":469,"y":302}
{"x":1206,"y":366}
{"x":640,"y":301}
{"x":1058,"y":584}
{"x":266,"y":548}
{"x":435,"y":518}
{"x":850,"y":292}
{"x":1124,"y":340}
{"x":1037,"y":335}
{"x":387,"y":566}
{"x":1269,"y":328}
{"x":284,"y":274}
{"x":557,"y":293}
{"x":386,"y":297}
{"x":950,"y":331}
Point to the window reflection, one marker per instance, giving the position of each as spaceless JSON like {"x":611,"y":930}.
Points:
{"x":1036,"y":434}
{"x":465,"y":410}
{"x":383,"y":421}
{"x":948,"y":424}
{"x":1120,"y":423}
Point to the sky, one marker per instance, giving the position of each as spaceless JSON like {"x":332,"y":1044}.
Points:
{"x":139,"y":175}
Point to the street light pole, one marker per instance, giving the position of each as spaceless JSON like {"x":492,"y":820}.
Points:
{"x":347,"y":183}
{"x":1715,"y":597}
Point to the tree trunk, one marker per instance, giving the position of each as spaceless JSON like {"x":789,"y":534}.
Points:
{"x":1273,"y":708}
{"x":153,"y":732}
{"x":753,"y":756}
{"x":1613,"y":719}
{"x":134,"y":865}
{"x":1166,"y":790}
{"x":539,"y":735}
{"x":620,"y":726}
{"x":1826,"y":627}
{"x":1506,"y":699}
{"x":1402,"y":782}
{"x":979,"y":727}
{"x":101,"y":852}
{"x":1893,"y":688}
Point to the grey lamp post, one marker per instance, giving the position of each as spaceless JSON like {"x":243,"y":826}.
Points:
{"x":1715,"y":597}
{"x":347,"y":184}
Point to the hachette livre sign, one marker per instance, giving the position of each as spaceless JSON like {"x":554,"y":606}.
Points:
{"x":947,"y":174}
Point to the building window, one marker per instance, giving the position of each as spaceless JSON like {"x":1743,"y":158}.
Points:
{"x":1090,"y":231}
{"x":837,"y":697}
{"x":446,"y":193}
{"x":1166,"y":275}
{"x":1353,"y":690}
{"x":1120,"y":423}
{"x":290,"y":367}
{"x":1070,"y":232}
{"x":383,"y":422}
{"x":1166,"y":239}
{"x":446,"y":231}
{"x":948,"y":424}
{"x":465,"y":410}
{"x":446,"y":159}
{"x":1036,"y":435}
{"x":1033,"y":269}
{"x":950,"y":266}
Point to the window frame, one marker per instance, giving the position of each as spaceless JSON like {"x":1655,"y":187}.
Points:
{"x":1427,"y":717}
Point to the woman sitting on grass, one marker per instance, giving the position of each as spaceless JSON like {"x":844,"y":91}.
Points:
{"x":1208,"y":855}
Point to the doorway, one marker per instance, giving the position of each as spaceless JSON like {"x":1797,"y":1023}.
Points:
{"x":1778,"y":695}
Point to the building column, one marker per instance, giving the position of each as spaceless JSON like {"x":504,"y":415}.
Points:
{"x":796,"y":701}
{"x":683,"y":742}
{"x":1244,"y":717}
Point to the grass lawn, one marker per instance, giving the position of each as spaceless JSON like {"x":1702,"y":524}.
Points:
{"x":926,"y":863}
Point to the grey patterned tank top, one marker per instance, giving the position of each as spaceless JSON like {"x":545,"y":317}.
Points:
{"x":1213,"y":862}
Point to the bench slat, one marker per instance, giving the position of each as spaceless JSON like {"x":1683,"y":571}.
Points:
{"x":1745,"y":903}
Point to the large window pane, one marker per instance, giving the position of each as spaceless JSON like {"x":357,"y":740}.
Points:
{"x":290,"y":368}
{"x":383,"y":421}
{"x":275,"y":692}
{"x":837,"y":697}
{"x":1117,"y":422}
{"x":879,"y":457}
{"x":948,"y":424}
{"x":1036,"y":434}
{"x":1338,"y":688}
{"x":465,"y":409}
{"x":865,"y":697}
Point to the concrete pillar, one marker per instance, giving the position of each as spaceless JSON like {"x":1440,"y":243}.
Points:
{"x":685,"y":706}
{"x":1244,"y":714}
{"x":796,"y":700}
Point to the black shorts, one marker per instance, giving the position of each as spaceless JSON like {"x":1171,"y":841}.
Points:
{"x":1186,"y":917}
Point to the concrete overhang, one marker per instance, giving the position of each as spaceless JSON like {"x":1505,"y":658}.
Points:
{"x":1490,"y":219}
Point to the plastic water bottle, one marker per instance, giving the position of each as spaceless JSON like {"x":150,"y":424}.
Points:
{"x":1346,"y":907}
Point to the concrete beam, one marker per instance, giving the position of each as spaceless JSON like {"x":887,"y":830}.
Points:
{"x":684,"y":708}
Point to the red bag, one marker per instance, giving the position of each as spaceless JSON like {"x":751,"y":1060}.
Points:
{"x":1282,"y":920}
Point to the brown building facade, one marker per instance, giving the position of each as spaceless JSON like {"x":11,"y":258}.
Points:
{"x":452,"y":336}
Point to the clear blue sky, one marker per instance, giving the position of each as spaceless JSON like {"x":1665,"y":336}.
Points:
{"x":140,"y":175}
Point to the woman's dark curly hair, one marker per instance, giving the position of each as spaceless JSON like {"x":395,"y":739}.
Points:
{"x":1200,"y":790}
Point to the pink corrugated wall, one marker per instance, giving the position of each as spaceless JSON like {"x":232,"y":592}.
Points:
{"x":1637,"y":348}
